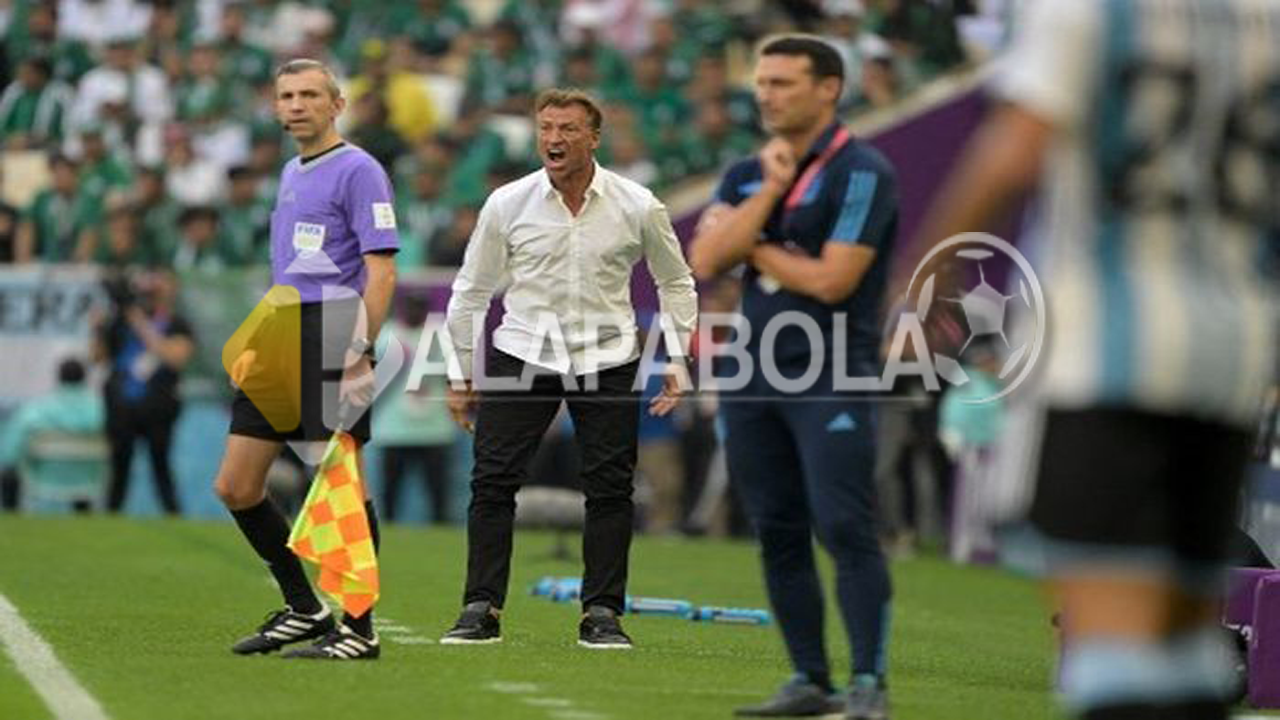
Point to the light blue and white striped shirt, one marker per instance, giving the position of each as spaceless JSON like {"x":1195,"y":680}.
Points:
{"x":1156,"y":238}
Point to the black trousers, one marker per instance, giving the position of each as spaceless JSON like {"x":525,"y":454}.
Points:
{"x":125,"y":423}
{"x":434,"y":460}
{"x":509,"y":427}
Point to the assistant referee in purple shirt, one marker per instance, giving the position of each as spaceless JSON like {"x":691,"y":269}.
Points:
{"x":333,"y":239}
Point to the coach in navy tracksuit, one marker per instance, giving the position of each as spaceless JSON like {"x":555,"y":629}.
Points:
{"x":813,"y":216}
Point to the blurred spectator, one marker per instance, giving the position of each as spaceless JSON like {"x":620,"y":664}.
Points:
{"x":266,"y":159}
{"x":479,"y":149}
{"x":923,"y":35}
{"x":414,"y":426}
{"x":712,"y":142}
{"x":39,"y":37}
{"x":34,"y":106}
{"x":119,"y":243}
{"x":371,"y":130}
{"x":579,"y":71}
{"x":8,"y":227}
{"x":659,"y":463}
{"x":409,"y":108}
{"x":147,"y":344}
{"x":434,"y":25}
{"x":678,"y":53}
{"x":968,"y":426}
{"x":189,"y":179}
{"x":880,"y":82}
{"x":538,"y":23}
{"x":658,"y":106}
{"x":71,"y":408}
{"x":246,"y":217}
{"x":422,"y":215}
{"x":101,"y":170}
{"x":609,"y":72}
{"x":205,"y":93}
{"x":157,"y":214}
{"x":57,"y":226}
{"x":435,"y":153}
{"x":448,"y":248}
{"x":845,"y":29}
{"x":241,"y":59}
{"x":200,"y":245}
{"x":628,"y":158}
{"x":282,"y":27}
{"x":501,"y":74}
{"x":710,"y":83}
{"x":166,"y":36}
{"x":703,"y":25}
{"x":123,"y":93}
{"x":98,"y":22}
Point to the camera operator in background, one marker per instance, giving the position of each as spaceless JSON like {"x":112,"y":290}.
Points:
{"x":147,"y":344}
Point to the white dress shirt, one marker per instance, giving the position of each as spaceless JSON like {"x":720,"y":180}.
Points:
{"x":571,"y":274}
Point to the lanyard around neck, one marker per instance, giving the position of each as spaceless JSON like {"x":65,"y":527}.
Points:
{"x":801,"y":186}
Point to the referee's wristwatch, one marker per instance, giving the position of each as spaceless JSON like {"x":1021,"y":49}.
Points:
{"x":362,"y":346}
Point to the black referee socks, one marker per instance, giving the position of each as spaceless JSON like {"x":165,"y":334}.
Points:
{"x":268,"y":532}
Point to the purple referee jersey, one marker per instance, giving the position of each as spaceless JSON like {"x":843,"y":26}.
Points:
{"x":330,"y":212}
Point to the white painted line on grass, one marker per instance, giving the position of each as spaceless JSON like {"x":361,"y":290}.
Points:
{"x":547,"y":702}
{"x":411,"y":640}
{"x":578,"y":715}
{"x":393,"y":629}
{"x":67,"y":699}
{"x":513,"y":688}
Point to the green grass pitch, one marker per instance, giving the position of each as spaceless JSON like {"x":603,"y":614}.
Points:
{"x":143,"y":613}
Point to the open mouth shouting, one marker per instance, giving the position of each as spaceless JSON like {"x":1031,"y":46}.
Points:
{"x":556,"y":156}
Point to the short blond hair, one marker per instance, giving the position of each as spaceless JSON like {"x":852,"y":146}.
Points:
{"x":301,"y":65}
{"x":566,"y":97}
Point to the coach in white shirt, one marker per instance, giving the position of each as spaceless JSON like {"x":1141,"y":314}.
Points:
{"x":568,"y":235}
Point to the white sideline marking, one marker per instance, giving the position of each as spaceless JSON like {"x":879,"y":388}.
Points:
{"x":513,"y":688}
{"x":394,"y":629}
{"x":65,"y":697}
{"x":578,"y":715}
{"x":411,"y":640}
{"x":548,"y":702}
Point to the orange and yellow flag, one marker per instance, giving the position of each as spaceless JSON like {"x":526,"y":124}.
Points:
{"x":332,"y":529}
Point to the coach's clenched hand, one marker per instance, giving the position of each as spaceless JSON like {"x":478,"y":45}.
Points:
{"x":461,"y":401}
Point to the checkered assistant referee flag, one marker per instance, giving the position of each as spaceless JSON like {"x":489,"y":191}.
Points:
{"x":332,"y":529}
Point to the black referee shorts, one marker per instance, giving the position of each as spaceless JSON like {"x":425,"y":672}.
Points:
{"x":1136,"y":480}
{"x":308,"y":406}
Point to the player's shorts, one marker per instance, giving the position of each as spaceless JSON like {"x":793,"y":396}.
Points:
{"x":307,"y":409}
{"x":1135,"y":480}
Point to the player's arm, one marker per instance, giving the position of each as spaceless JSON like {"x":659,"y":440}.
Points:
{"x":380,"y":287}
{"x":1044,"y":80}
{"x":727,"y":233}
{"x":998,"y":167}
{"x":173,"y":350}
{"x":867,"y":214}
{"x":483,"y":266}
{"x":828,"y":278}
{"x":24,"y":245}
{"x":371,"y":213}
{"x":677,"y":300}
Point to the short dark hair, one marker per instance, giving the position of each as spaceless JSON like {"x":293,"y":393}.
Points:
{"x":565,"y":97}
{"x":824,"y":60}
{"x":71,"y":372}
{"x":300,"y":65}
{"x":195,"y":213}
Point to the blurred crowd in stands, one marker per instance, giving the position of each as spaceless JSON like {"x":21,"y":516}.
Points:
{"x":141,"y":135}
{"x":162,"y":150}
